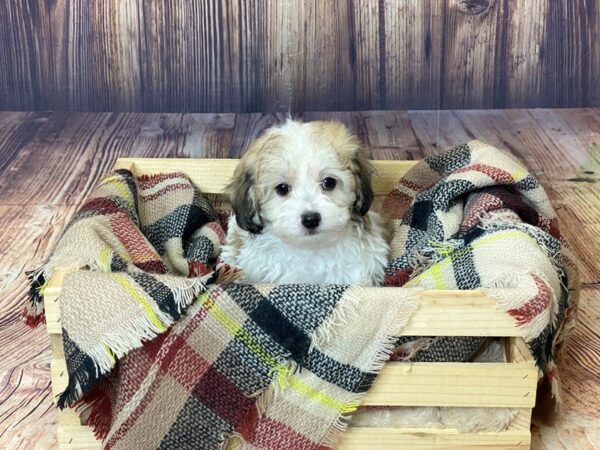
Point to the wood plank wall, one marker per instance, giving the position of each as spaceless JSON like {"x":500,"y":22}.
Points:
{"x":277,"y":55}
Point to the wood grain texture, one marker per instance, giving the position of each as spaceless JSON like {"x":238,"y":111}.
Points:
{"x":287,"y":55}
{"x":50,"y":161}
{"x":27,"y":413}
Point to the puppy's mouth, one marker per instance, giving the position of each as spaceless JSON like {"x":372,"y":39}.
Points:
{"x":311,"y":232}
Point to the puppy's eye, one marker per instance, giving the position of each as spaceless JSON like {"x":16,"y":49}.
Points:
{"x":283,"y":189}
{"x":328,"y":183}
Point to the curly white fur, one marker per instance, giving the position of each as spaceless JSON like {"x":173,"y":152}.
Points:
{"x":267,"y":239}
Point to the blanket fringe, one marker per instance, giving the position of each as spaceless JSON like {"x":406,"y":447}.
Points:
{"x":135,"y":331}
{"x":555,"y":384}
{"x":508,"y":285}
{"x":98,"y":408}
{"x":226,"y":273}
{"x":138,"y":329}
{"x":387,"y":339}
{"x":33,"y":313}
{"x":512,"y":281}
{"x":338,"y":318}
{"x":435,"y":251}
{"x":408,"y":350}
{"x":73,"y":391}
{"x":185,"y":291}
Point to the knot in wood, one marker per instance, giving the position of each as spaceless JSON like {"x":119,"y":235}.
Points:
{"x":473,"y":7}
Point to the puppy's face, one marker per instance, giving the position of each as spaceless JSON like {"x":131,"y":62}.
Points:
{"x":303,"y":182}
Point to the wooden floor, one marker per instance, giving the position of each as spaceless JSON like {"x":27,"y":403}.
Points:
{"x":49,"y":162}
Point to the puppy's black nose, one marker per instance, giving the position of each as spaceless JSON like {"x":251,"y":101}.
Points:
{"x":311,"y":219}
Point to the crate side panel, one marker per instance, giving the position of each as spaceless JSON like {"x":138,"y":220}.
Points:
{"x":455,"y":384}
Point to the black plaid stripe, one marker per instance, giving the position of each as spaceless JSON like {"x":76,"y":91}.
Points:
{"x":196,"y":427}
{"x":401,"y":263}
{"x":473,"y":234}
{"x":463,"y":267}
{"x":246,"y":296}
{"x":281,"y":330}
{"x":117,"y":264}
{"x":308,"y":305}
{"x":205,"y":205}
{"x":420,"y":214}
{"x":448,"y":193}
{"x":251,"y":376}
{"x":129,"y":179}
{"x":528,"y":183}
{"x":346,"y":376}
{"x":160,"y":293}
{"x":200,"y":248}
{"x":81,"y":369}
{"x":418,"y":238}
{"x":448,"y":161}
{"x":539,"y":347}
{"x":181,"y":223}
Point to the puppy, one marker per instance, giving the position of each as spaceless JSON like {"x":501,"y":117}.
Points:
{"x":301,"y":196}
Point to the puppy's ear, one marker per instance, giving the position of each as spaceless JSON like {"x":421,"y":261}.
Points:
{"x":363,"y":173}
{"x":242,"y":196}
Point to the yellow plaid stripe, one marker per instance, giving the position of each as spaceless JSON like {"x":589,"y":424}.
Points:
{"x":518,"y":174}
{"x":435,"y":272}
{"x":135,"y":294}
{"x":118,"y":184}
{"x":317,"y":396}
{"x":284,"y":377}
{"x":105,"y":258}
{"x":236,"y":329}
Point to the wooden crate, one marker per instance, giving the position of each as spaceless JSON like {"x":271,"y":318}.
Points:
{"x":442,"y":313}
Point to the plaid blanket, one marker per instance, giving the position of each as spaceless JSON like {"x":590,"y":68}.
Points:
{"x":474,"y":217}
{"x":163,"y":351}
{"x":256,"y":365}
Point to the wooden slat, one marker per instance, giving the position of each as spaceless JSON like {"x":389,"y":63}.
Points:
{"x":411,"y":33}
{"x":517,"y":436}
{"x":455,"y":384}
{"x":73,"y":437}
{"x":429,"y":384}
{"x":474,"y":39}
{"x":59,"y":375}
{"x":82,"y":438}
{"x":360,"y":438}
{"x":212,"y":175}
{"x":426,"y":438}
{"x":459,"y":313}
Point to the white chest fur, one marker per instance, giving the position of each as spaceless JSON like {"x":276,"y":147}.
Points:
{"x":358,"y":256}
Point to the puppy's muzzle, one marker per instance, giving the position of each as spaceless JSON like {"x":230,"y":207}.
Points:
{"x":310,"y":220}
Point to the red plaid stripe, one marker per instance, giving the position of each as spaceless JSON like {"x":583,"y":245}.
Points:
{"x":535,"y":306}
{"x":396,"y":203}
{"x":141,"y":252}
{"x":149,"y":181}
{"x":498,"y":175}
{"x":169,"y":188}
{"x":273,"y":435}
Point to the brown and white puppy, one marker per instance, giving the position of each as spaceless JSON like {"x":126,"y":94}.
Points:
{"x":302,"y":196}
